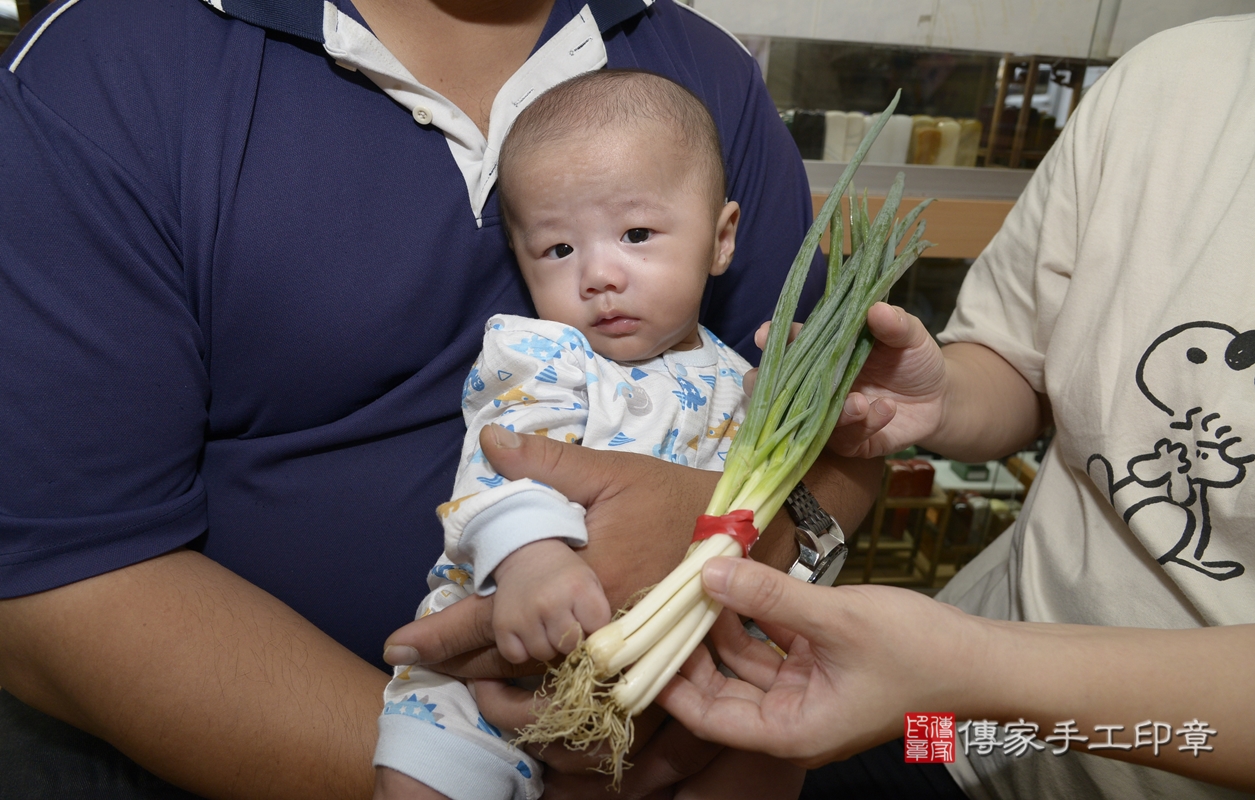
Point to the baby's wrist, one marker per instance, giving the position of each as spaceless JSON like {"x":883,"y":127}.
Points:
{"x":541,"y":554}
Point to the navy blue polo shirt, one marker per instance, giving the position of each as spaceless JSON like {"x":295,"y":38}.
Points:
{"x":244,"y":270}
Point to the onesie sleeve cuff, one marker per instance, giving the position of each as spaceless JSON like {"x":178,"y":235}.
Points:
{"x":447,"y":763}
{"x":515,"y":521}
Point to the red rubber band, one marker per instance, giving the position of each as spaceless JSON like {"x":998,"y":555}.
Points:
{"x":738,"y":524}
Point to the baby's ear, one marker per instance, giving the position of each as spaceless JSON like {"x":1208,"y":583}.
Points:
{"x":725,"y":237}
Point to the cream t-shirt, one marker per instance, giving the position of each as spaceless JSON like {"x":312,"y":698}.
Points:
{"x":1122,"y":285}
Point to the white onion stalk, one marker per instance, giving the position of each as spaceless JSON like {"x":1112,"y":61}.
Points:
{"x":618,"y":671}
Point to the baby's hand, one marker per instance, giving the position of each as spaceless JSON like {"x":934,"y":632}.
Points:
{"x":547,"y":598}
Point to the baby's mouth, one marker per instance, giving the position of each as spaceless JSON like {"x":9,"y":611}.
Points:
{"x":617,"y":324}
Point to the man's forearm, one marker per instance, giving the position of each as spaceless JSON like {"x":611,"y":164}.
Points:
{"x":199,"y":676}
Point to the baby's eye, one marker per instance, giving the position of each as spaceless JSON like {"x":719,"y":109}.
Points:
{"x":560,"y":250}
{"x":637,"y":235}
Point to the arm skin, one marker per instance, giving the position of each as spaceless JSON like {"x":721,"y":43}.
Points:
{"x":860,"y":657}
{"x":202,"y":678}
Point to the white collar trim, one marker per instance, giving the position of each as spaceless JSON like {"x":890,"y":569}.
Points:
{"x":705,"y":356}
{"x":575,"y":49}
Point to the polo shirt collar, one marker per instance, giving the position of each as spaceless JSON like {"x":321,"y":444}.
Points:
{"x":577,"y":47}
{"x":304,"y":18}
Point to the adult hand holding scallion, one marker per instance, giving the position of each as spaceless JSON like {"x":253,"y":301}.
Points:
{"x":797,"y":399}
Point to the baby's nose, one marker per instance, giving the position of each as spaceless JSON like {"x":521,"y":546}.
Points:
{"x":603,"y":276}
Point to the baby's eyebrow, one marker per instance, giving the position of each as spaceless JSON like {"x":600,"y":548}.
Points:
{"x":624,"y":205}
{"x":537,"y":230}
{"x":545,"y":224}
{"x":636,"y":204}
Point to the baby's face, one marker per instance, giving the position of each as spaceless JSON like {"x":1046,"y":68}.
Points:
{"x":616,"y":237}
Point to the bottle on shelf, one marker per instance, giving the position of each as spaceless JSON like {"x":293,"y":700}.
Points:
{"x":948,"y":147}
{"x":856,"y":123}
{"x":969,"y":143}
{"x":925,"y":140}
{"x":894,"y":140}
{"x":834,"y":135}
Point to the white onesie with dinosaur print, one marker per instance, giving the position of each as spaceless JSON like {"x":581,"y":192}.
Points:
{"x":542,"y":377}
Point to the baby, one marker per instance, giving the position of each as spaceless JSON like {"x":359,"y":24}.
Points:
{"x":613,"y":190}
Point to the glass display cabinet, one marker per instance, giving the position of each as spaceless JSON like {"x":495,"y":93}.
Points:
{"x":986,"y":84}
{"x":828,"y":92}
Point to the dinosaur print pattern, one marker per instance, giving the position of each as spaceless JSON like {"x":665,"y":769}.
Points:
{"x":542,"y":378}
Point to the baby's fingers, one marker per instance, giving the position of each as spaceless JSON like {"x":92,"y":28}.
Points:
{"x":520,"y":639}
{"x":512,"y":648}
{"x":592,"y":612}
{"x":562,"y":634}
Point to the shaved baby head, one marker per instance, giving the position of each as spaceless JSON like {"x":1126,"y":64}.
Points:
{"x":618,"y":99}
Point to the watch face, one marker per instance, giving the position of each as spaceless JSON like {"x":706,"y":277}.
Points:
{"x":828,"y":571}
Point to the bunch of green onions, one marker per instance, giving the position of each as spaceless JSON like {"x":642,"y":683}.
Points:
{"x":801,"y":388}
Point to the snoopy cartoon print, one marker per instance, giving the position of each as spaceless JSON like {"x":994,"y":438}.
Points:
{"x":1201,"y":377}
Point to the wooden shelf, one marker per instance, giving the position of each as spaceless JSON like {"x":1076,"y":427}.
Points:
{"x":923,"y":557}
{"x":960,"y":228}
{"x":969,"y":206}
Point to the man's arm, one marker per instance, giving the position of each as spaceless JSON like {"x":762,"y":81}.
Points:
{"x":640,"y":522}
{"x":201,"y":677}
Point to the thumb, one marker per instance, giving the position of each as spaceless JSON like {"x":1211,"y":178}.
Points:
{"x":748,"y":381}
{"x":506,"y":707}
{"x":894,"y":327}
{"x":758,"y":591}
{"x":579,"y":473}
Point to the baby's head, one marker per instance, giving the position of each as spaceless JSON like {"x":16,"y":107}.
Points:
{"x":612,"y":187}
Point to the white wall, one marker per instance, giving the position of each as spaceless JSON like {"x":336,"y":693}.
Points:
{"x":1139,"y":19}
{"x":887,"y":21}
{"x":1046,"y":27}
{"x":1043,"y":27}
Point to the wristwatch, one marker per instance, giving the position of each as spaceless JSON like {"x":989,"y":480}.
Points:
{"x":820,"y":540}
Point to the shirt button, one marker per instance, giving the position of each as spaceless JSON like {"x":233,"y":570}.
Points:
{"x":422,"y":115}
